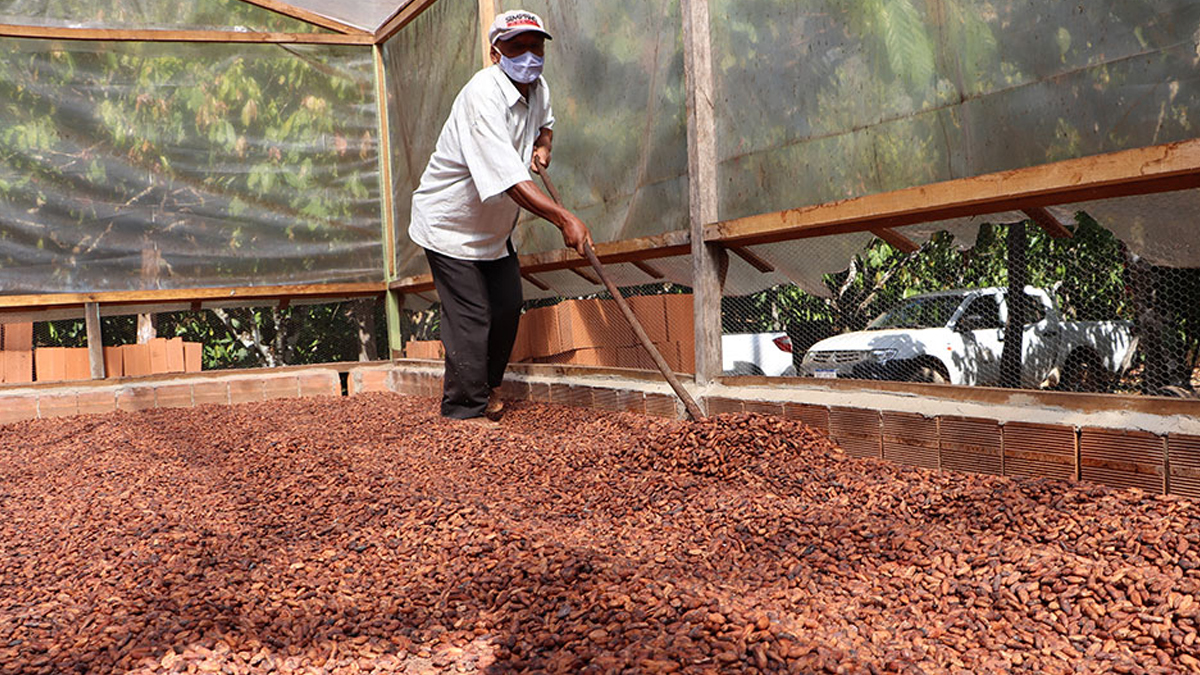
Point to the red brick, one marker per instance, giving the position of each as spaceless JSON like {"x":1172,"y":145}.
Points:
{"x":405,"y":383}
{"x":132,"y":399}
{"x":245,"y":391}
{"x":50,"y":364}
{"x":281,"y":387}
{"x":192,"y":353}
{"x":515,"y":391}
{"x":58,"y":405}
{"x":18,"y":409}
{"x":175,"y":355}
{"x":368,"y":381}
{"x":158,"y":356}
{"x":680,"y":319}
{"x":588,"y":324}
{"x":210,"y":393}
{"x":763,"y":408}
{"x":606,"y":399}
{"x":320,"y":384}
{"x":814,"y":416}
{"x":174,"y":396}
{"x":631,"y":401}
{"x":94,"y":402}
{"x":114,"y":362}
{"x":560,"y":394}
{"x":136,"y":360}
{"x":78,"y":365}
{"x":662,"y":405}
{"x":580,"y":397}
{"x":432,"y":386}
{"x":718,"y":405}
{"x":18,"y":337}
{"x":651,"y":312}
{"x":539,"y":392}
{"x":18,"y":367}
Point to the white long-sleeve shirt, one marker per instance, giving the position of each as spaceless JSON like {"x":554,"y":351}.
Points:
{"x":460,"y":208}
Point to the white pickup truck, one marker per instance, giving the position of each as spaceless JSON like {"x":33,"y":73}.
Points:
{"x":958,"y":337}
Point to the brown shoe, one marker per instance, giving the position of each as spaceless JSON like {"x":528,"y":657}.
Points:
{"x":481,"y":422}
{"x":495,"y":406}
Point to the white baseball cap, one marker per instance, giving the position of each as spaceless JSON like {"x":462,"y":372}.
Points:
{"x":514,"y":22}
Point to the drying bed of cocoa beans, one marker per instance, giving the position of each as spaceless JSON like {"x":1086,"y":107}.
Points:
{"x":369,"y":535}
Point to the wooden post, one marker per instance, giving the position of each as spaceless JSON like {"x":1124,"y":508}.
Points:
{"x":95,"y":340}
{"x":151,"y":262}
{"x":393,"y":302}
{"x":1014,"y":331}
{"x":487,"y":14}
{"x":707,"y":259}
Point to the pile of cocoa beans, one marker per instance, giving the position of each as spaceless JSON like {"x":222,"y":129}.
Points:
{"x":367,"y":534}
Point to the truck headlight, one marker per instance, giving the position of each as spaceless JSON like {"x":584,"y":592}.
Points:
{"x":809,"y":357}
{"x":882,"y":355}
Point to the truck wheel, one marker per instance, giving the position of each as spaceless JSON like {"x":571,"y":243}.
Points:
{"x":930,"y":371}
{"x":1084,"y":373}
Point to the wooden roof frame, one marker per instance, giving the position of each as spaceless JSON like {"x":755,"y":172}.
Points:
{"x":343,"y":34}
{"x":1148,"y":170}
{"x":249,"y":294}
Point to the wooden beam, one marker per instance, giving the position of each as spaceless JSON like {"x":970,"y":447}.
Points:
{"x":385,"y":165}
{"x":896,"y":240}
{"x":667,"y":245}
{"x":1048,"y":222}
{"x":307,"y":17}
{"x":401,"y":19}
{"x":226,"y":36}
{"x":1160,"y":168}
{"x":650,"y":270}
{"x":95,"y":340}
{"x":582,"y":274}
{"x":537,"y":283}
{"x":487,"y":14}
{"x":752,"y":258}
{"x":707,"y":261}
{"x":28,"y":302}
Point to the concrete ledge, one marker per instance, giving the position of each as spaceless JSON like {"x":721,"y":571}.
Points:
{"x":44,"y":400}
{"x":1021,"y":434}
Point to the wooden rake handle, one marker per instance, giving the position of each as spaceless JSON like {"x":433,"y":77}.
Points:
{"x":689,"y":404}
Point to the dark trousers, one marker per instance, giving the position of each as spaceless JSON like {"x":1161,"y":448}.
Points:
{"x":481,"y":306}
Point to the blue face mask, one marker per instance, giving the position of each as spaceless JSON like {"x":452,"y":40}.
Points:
{"x":525,"y":68}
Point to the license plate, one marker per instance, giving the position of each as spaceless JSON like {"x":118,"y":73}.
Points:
{"x":826,"y":374}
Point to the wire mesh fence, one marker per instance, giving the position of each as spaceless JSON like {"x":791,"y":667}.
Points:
{"x":213,"y":339}
{"x":1091,"y":316}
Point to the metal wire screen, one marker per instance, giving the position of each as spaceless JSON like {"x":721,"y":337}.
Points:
{"x":224,"y":339}
{"x":1095,"y":314}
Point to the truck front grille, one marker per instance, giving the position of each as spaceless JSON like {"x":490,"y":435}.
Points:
{"x":839,"y":357}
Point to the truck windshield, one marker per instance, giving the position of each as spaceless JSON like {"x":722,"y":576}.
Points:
{"x":928,"y":312}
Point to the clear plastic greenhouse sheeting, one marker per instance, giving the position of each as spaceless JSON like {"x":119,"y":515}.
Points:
{"x":150,"y":14}
{"x":426,"y":65}
{"x":1161,"y":228}
{"x":615,"y":71}
{"x":136,"y":166}
{"x":367,"y":15}
{"x":826,"y":100}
